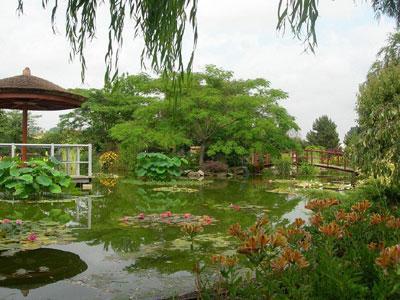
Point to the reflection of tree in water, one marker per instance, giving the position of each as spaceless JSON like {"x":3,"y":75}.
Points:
{"x":27,"y":270}
{"x":131,"y":200}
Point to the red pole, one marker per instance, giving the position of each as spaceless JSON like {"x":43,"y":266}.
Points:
{"x":24,"y":132}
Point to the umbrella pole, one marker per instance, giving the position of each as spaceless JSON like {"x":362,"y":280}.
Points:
{"x":24,"y":132}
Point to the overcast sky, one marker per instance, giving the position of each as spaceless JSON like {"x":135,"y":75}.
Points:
{"x":236,"y":35}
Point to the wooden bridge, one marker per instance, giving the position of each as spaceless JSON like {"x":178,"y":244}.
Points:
{"x":328,"y":159}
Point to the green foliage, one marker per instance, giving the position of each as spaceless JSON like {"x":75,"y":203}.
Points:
{"x":324,"y":133}
{"x":351,"y":137}
{"x":58,"y":215}
{"x":103,"y":109}
{"x":158,"y":166}
{"x":348,"y":250}
{"x":283,"y":166}
{"x":10,"y":126}
{"x":377,"y":151}
{"x":225,"y":117}
{"x":301,"y":17}
{"x":306,"y":169}
{"x":31,"y":179}
{"x":162,"y":26}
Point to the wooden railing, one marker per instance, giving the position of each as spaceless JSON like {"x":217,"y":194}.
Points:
{"x":329,"y":159}
{"x":76,"y":159}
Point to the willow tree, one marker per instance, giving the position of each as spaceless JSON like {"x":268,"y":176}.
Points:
{"x":162,"y":24}
{"x":377,"y":150}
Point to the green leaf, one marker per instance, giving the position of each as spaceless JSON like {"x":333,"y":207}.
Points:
{"x":55,"y":189}
{"x":14,"y":171}
{"x":27,"y":178}
{"x":4,"y":164}
{"x":44,"y":180}
{"x":65,"y":182}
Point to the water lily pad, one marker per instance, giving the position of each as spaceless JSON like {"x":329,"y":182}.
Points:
{"x":175,"y":189}
{"x":33,"y":235}
{"x":167,"y":218}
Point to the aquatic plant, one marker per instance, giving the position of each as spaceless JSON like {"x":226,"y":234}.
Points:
{"x":31,"y":179}
{"x":18,"y":234}
{"x":158,"y":166}
{"x":174,"y":189}
{"x":166,"y":217}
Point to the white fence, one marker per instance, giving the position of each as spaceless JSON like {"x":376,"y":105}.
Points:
{"x":75,"y":158}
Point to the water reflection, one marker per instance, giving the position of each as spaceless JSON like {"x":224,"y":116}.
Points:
{"x":27,"y":270}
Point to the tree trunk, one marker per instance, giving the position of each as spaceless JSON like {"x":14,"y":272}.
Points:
{"x":202,"y":154}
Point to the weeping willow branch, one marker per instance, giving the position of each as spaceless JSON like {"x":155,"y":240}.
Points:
{"x":301,"y":16}
{"x":161,"y":24}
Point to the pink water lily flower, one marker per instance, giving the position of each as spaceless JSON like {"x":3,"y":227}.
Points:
{"x":125,"y":219}
{"x":141,"y":216}
{"x":168,"y":213}
{"x":207,"y":220}
{"x":6,"y":221}
{"x":187,"y":215}
{"x":18,"y":222}
{"x":32,"y":237}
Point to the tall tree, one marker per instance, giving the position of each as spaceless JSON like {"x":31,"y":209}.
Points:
{"x":351,"y":136}
{"x":162,"y":25}
{"x":378,"y":107}
{"x":216,"y":112}
{"x":104,"y":108}
{"x":323,"y":133}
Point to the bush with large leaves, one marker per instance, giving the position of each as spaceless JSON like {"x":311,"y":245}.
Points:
{"x":158,"y":166}
{"x":31,"y":179}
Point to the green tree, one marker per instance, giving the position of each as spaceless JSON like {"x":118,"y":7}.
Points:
{"x":351,"y":136}
{"x":378,"y":107}
{"x":162,"y":25}
{"x":323,"y":133}
{"x":103,"y":109}
{"x":11,"y":126}
{"x":216,"y":112}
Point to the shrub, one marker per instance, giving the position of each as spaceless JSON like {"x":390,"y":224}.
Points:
{"x":306,"y":169}
{"x":108,"y":160}
{"x":348,"y":250}
{"x":158,"y":166}
{"x":214,"y":166}
{"x":283,"y":166}
{"x":32,"y":178}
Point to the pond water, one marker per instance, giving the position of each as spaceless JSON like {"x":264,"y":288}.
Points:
{"x":110,"y":260}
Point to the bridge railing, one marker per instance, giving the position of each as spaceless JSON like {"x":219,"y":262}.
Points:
{"x":75,"y":159}
{"x":327,"y":158}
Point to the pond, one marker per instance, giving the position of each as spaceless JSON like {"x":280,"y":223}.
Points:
{"x":113,"y":259}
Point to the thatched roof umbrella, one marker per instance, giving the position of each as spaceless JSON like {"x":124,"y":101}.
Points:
{"x":27,"y":92}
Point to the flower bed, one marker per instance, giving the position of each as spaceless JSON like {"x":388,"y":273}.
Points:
{"x":346,"y":250}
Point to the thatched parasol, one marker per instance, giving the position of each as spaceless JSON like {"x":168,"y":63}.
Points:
{"x":27,"y":92}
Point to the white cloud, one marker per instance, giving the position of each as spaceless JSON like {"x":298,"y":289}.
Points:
{"x":234,"y":34}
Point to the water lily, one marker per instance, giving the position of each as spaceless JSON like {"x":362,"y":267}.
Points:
{"x":187,"y":215}
{"x":32,"y":237}
{"x":206,"y":220}
{"x":125,"y":219}
{"x":141,"y":216}
{"x":6,"y":221}
{"x":18,"y":222}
